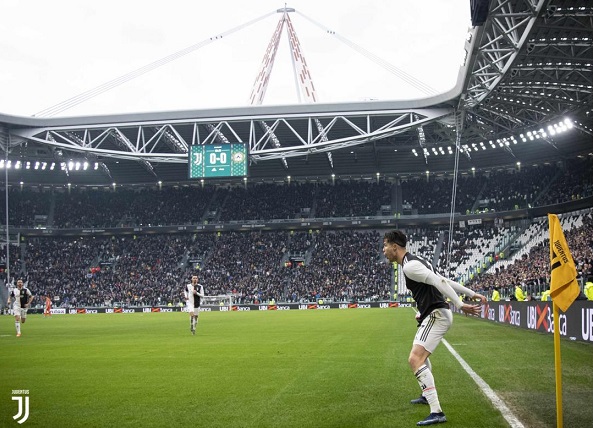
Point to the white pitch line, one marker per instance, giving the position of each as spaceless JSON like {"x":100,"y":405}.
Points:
{"x":489,"y":392}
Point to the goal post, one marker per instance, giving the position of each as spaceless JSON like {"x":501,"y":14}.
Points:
{"x":220,"y":300}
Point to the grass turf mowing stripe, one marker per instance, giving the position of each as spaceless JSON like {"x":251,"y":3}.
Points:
{"x":488,"y":392}
{"x":334,"y":368}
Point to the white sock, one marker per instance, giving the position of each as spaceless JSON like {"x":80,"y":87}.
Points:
{"x":429,"y":365}
{"x":429,"y":391}
{"x":17,"y":325}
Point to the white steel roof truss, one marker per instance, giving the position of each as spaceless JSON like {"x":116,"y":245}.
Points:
{"x":506,"y":34}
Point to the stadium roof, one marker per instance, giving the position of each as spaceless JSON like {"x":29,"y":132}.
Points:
{"x":524,"y":94}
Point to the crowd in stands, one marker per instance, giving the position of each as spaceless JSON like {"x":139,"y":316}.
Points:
{"x":352,"y":199}
{"x":123,"y":207}
{"x":532,"y":270}
{"x":342,"y":265}
{"x":300,"y":242}
{"x":474,"y":248}
{"x":247,"y":265}
{"x":424,"y":241}
{"x":106,"y":271}
{"x":519,"y":189}
{"x":171,"y":206}
{"x":267,"y":201}
{"x":101,"y":208}
{"x":15,"y":262}
{"x":335,"y":265}
{"x":200,"y":246}
{"x":153,"y":269}
{"x":346,"y":266}
{"x":24,"y":205}
{"x":574,"y":182}
{"x":434,"y":196}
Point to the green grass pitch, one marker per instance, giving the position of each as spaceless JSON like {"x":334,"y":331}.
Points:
{"x":332,"y":368}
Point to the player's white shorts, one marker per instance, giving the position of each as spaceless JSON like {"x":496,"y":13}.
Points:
{"x":433,"y":328}
{"x":191,"y":308}
{"x":18,"y":311}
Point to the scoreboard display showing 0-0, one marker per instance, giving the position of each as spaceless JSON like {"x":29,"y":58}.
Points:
{"x":218,"y":160}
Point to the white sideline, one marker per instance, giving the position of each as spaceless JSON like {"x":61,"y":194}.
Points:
{"x":489,"y":392}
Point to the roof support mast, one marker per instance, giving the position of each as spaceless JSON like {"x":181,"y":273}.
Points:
{"x":302,"y":75}
{"x":305,"y":88}
{"x":303,"y":82}
{"x":263,"y":78}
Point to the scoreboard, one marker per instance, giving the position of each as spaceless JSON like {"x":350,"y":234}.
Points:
{"x":218,"y":160}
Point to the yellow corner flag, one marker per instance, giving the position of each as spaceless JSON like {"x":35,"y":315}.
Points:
{"x":564,"y":287}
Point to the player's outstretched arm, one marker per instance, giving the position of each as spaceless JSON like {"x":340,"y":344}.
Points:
{"x":471,"y":309}
{"x":418,"y":272}
{"x":480,"y":297}
{"x":464,"y":290}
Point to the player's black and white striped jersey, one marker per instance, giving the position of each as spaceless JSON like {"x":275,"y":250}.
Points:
{"x":427,"y":297}
{"x":192,"y":298}
{"x":20,"y":296}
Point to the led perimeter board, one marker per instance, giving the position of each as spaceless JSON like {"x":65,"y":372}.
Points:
{"x":217,"y":160}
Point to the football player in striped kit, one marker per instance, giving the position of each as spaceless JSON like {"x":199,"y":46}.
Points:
{"x":21,"y":298}
{"x":194,"y":293}
{"x":429,"y":290}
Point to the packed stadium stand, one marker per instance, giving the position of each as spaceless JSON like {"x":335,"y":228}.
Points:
{"x":529,"y":266}
{"x":284,"y":265}
{"x":179,"y":205}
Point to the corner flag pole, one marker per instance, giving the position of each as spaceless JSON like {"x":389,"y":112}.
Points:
{"x":564,"y":289}
{"x":557,"y":366}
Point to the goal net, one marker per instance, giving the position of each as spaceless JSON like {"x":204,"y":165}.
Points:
{"x":222,"y":300}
